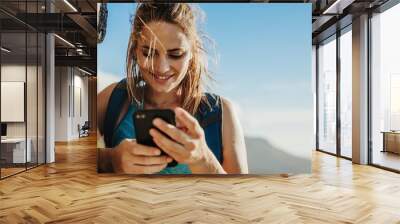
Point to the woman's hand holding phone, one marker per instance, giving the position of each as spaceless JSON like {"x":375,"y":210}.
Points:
{"x":131,"y":157}
{"x":186,"y":143}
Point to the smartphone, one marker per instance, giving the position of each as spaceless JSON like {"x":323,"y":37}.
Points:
{"x":143,"y":122}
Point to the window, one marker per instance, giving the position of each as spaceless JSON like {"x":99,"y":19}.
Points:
{"x":385,"y":88}
{"x":346,"y":92}
{"x":327,"y":95}
{"x":22,"y":75}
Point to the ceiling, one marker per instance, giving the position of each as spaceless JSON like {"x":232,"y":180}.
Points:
{"x":332,"y":15}
{"x":74,"y":22}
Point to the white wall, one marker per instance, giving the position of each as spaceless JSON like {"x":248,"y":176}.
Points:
{"x":61,"y":103}
{"x":80,"y":84}
{"x":16,"y":73}
{"x":70,"y":83}
{"x":34,"y":124}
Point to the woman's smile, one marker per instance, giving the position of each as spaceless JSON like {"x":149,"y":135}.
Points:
{"x":162,"y":79}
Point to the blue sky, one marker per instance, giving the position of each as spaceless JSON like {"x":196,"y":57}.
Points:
{"x":255,"y":42}
{"x":264,"y":63}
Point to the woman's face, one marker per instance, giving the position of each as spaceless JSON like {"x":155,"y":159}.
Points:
{"x":163,"y":52}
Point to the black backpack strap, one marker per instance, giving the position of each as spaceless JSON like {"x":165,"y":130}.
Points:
{"x":117,"y":99}
{"x":210,"y":111}
{"x":210,"y":119}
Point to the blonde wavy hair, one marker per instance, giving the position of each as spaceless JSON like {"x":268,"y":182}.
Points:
{"x":185,"y":16}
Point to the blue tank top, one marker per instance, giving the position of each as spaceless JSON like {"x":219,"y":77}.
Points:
{"x":209,"y":116}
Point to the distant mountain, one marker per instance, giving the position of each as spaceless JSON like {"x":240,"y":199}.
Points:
{"x":264,"y":158}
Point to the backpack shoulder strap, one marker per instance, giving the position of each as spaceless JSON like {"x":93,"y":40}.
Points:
{"x":117,"y":99}
{"x":210,"y":111}
{"x":210,"y":118}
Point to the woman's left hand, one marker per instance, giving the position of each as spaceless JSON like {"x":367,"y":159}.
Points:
{"x":186,"y":144}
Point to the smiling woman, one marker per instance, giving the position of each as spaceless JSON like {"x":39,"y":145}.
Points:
{"x":163,"y":60}
{"x":166,"y":69}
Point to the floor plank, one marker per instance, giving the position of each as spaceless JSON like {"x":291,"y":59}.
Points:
{"x":387,"y":159}
{"x":70,"y":191}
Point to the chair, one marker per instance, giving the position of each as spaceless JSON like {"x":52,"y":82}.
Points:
{"x":84,"y":130}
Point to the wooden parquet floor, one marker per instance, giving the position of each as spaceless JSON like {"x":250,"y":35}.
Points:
{"x":70,"y":191}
